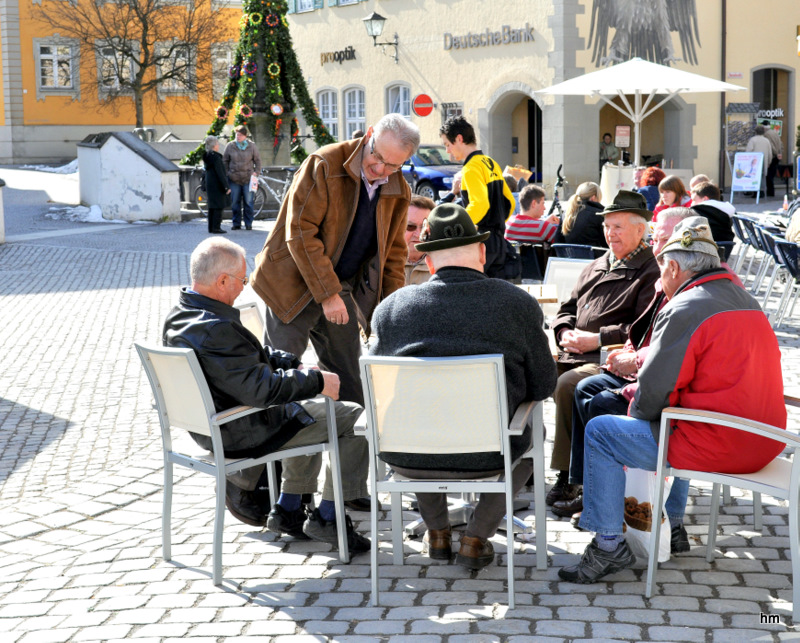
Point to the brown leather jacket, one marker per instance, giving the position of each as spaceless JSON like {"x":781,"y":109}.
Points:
{"x":297,"y":261}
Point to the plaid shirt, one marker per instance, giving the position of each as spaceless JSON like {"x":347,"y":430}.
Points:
{"x":617,"y":263}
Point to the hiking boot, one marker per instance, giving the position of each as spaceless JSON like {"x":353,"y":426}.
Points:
{"x":317,"y":528}
{"x":282,"y":521}
{"x":243,"y":506}
{"x":679,"y":540}
{"x":475,"y":552}
{"x":438,"y":543}
{"x":562,"y":490}
{"x":596,"y":563}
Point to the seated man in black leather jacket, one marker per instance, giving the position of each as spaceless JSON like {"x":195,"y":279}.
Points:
{"x":239,"y":370}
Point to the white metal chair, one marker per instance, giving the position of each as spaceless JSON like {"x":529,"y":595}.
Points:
{"x":780,"y":479}
{"x":438,"y":406}
{"x":251,"y":319}
{"x":564,"y":273}
{"x":184,"y":402}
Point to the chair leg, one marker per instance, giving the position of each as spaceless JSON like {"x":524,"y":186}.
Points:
{"x":336,"y":477}
{"x":397,"y":527}
{"x":775,"y":272}
{"x":510,"y":544}
{"x":758,"y":522}
{"x":166,"y":514}
{"x":655,"y":538}
{"x":219,"y":523}
{"x":272,"y":480}
{"x":794,"y":551}
{"x":540,"y":513}
{"x":726,"y":494}
{"x":712,"y":522}
{"x":373,"y":527}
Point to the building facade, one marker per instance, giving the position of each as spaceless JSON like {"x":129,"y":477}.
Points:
{"x":485,"y":60}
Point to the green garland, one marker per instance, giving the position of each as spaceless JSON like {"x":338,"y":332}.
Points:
{"x":286,"y":85}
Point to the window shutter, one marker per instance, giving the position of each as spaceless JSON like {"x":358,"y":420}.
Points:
{"x":333,"y":3}
{"x":291,"y":6}
{"x":318,"y":4}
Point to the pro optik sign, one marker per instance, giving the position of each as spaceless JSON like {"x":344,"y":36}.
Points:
{"x":337,"y":56}
{"x":488,"y":38}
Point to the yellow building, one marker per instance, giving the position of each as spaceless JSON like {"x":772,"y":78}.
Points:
{"x":485,"y":59}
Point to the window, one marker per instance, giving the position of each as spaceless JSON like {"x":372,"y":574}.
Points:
{"x":57,"y":65}
{"x":176,"y":67}
{"x":451,"y":109}
{"x":355,"y":118}
{"x":222,"y":54}
{"x":329,"y":111}
{"x":114,"y":67}
{"x":398,"y":100}
{"x":304,"y":5}
{"x":339,"y":3}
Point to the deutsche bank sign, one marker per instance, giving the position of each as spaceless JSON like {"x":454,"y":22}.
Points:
{"x":489,"y":38}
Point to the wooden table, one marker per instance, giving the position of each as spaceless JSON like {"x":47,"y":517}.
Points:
{"x":543,"y":293}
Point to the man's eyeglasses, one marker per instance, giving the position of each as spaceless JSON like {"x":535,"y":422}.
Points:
{"x":379,"y":158}
{"x":244,"y":281}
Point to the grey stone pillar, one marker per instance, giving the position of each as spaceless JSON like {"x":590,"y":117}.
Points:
{"x":264,"y":138}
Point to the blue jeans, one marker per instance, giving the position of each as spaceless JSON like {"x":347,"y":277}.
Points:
{"x":613,"y":441}
{"x":241,"y":193}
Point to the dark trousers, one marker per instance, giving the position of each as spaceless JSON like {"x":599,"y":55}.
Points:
{"x":338,"y":347}
{"x":595,"y":395}
{"x":214,"y":219}
{"x":772,"y":171}
{"x":495,"y":255}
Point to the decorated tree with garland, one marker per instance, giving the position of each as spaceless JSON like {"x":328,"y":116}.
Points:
{"x":265,"y":80}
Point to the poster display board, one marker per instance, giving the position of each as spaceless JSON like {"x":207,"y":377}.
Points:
{"x":747,"y":169}
{"x":622,"y":136}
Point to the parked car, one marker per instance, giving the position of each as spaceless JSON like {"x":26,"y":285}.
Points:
{"x":430,"y":171}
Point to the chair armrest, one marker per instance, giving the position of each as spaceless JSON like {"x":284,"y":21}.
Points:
{"x":522,"y":417}
{"x":234,"y":413}
{"x":791,"y":400}
{"x":733,"y":422}
{"x":360,"y":427}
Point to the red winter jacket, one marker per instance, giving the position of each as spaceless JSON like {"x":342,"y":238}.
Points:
{"x":713,"y":349}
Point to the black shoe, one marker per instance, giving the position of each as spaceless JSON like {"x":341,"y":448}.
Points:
{"x":317,"y":528}
{"x":219,"y":231}
{"x":236,"y":227}
{"x":567,"y":508}
{"x":243,"y":507}
{"x":359,"y":504}
{"x":248,"y":227}
{"x":596,"y":563}
{"x":561,"y":490}
{"x":679,"y":540}
{"x":282,"y":521}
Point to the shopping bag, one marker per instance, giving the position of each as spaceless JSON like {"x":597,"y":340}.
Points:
{"x":640,"y":490}
{"x":253,"y":183}
{"x":518,"y":172}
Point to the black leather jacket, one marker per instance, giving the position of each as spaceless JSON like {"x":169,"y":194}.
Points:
{"x":239,"y":370}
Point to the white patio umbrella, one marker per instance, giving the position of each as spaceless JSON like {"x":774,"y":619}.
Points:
{"x":642,"y":79}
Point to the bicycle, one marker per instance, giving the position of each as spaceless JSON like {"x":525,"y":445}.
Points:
{"x":560,"y":183}
{"x":262,"y":195}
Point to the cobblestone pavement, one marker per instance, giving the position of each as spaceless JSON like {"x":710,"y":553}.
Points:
{"x":80,"y":499}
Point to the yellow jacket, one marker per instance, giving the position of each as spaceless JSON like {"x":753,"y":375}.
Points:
{"x":488,"y":200}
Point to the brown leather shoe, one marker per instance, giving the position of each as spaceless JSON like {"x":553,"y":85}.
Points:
{"x":475,"y":553}
{"x":438,"y":543}
{"x":566,"y":508}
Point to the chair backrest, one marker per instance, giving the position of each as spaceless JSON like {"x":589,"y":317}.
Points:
{"x":436,"y":405}
{"x":573,"y":250}
{"x":738,"y":230}
{"x":251,"y":319}
{"x":750,"y":229}
{"x":564,"y":274}
{"x":767,"y":242}
{"x":789,"y":253}
{"x":179,"y":386}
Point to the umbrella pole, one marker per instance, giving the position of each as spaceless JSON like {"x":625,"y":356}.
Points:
{"x":636,"y":129}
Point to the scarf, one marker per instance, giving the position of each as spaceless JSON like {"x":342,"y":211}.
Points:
{"x":242,"y":146}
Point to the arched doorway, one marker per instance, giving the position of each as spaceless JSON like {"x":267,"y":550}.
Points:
{"x":510,"y":128}
{"x":773,"y":88}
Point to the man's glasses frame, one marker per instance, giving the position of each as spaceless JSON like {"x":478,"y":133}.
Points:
{"x":379,"y":158}
{"x":244,"y":281}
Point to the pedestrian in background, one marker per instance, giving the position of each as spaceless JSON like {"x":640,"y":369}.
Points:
{"x":217,"y":189}
{"x":242,"y":161}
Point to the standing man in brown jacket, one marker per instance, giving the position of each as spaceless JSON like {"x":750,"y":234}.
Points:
{"x":338,"y":247}
{"x":242,"y":161}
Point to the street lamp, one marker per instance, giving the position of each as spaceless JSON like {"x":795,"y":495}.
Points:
{"x":374,"y":24}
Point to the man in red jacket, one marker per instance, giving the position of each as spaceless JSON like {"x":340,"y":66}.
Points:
{"x":689,"y":365}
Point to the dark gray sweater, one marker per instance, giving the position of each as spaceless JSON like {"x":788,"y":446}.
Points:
{"x":461,"y":311}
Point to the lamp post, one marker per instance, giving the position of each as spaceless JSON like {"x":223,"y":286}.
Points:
{"x":374,"y":25}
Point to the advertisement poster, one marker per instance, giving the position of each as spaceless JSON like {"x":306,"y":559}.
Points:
{"x":747,"y":168}
{"x":622,"y":136}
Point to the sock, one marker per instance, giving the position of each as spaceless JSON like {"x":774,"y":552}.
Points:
{"x":608,"y":543}
{"x":289,"y":501}
{"x":327,"y":510}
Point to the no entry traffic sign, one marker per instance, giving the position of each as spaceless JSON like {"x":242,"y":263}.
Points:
{"x":422,"y":105}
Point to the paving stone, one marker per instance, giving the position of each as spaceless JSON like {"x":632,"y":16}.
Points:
{"x":567,"y":629}
{"x":675,"y":634}
{"x":616,"y":631}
